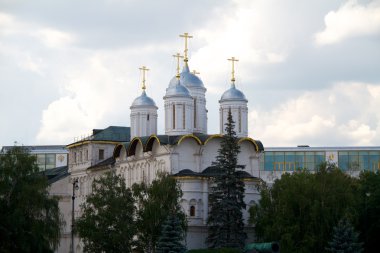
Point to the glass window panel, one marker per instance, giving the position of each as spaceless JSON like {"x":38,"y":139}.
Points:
{"x":279,"y":166}
{"x":343,"y":160}
{"x":50,"y":159}
{"x":319,"y":159}
{"x":300,"y":160}
{"x":268,"y":161}
{"x":353,"y":160}
{"x":41,"y":159}
{"x":290,"y":157}
{"x":363,"y":160}
{"x":374,"y":159}
{"x":279,"y":157}
{"x":309,"y":158}
{"x":269,"y":157}
{"x":268,"y":165}
{"x":290,"y":166}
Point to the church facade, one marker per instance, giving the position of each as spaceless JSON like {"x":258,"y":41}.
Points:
{"x":186,"y":150}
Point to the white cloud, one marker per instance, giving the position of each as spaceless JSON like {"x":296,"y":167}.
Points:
{"x":81,"y":74}
{"x":94,"y":88}
{"x":361,"y":133}
{"x":54,"y":38}
{"x":345,"y":114}
{"x":241,"y":30}
{"x":350,"y":20}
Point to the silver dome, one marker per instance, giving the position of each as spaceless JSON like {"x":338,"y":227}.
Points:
{"x":143,"y":100}
{"x":188,"y":79}
{"x":177,"y":89}
{"x":233,"y":94}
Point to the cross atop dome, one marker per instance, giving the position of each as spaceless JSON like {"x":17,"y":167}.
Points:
{"x":144,"y":69}
{"x":233,"y":60}
{"x":186,"y":36}
{"x":178,"y":56}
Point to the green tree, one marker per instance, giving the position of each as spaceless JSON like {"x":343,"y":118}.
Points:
{"x":226,"y":199}
{"x":155,"y":202}
{"x":300,"y":209}
{"x":29,"y":218}
{"x":107,"y":223}
{"x":344,"y":239}
{"x":369,"y":210}
{"x":172,"y":236}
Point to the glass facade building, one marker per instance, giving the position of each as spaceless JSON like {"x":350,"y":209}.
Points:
{"x":48,"y":156}
{"x":346,"y":158}
{"x":359,"y":160}
{"x":292,"y":160}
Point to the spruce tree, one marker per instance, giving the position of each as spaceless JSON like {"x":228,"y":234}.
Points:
{"x":172,"y":236}
{"x":226,"y":199}
{"x":345,"y":239}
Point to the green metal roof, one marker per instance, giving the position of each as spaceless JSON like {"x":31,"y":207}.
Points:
{"x":112,"y":133}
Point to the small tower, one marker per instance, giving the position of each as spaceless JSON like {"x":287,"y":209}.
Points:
{"x":179,"y":106}
{"x":234,"y":100}
{"x":197,"y":90}
{"x":143,"y":113}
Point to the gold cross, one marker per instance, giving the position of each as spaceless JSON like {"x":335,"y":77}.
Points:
{"x":186,"y":36}
{"x":195,"y":72}
{"x":178,"y":55}
{"x":144,"y":69}
{"x":233,"y":60}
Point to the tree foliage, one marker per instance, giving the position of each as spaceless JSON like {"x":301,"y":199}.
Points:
{"x":155,"y":203}
{"x":300,"y":209}
{"x":369,"y":210}
{"x":108,"y":220}
{"x":172,"y":236}
{"x":226,"y":199}
{"x":344,"y":239}
{"x":29,"y":218}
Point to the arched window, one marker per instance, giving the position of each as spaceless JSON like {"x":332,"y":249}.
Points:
{"x":192,"y":211}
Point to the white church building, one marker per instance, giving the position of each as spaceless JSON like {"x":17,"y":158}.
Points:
{"x":186,"y":150}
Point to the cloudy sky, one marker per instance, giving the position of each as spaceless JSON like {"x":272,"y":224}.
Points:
{"x":310,"y":69}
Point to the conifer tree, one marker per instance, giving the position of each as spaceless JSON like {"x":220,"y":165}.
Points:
{"x":345,"y":239}
{"x":226,"y":199}
{"x":172,"y":236}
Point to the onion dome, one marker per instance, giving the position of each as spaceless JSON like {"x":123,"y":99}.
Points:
{"x":143,"y":100}
{"x":233,"y":94}
{"x":188,"y":79}
{"x":176,"y":89}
